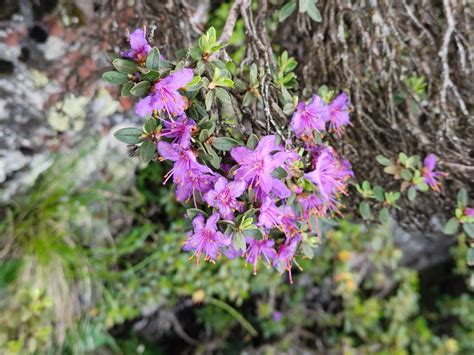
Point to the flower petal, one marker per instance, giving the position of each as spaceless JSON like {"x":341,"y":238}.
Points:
{"x":144,"y":106}
{"x":137,"y":39}
{"x":168,"y":151}
{"x":241,"y":154}
{"x":178,"y":79}
{"x":430,"y":162}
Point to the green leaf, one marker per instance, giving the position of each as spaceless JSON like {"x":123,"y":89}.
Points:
{"x":384,"y":215}
{"x":128,"y":135}
{"x":226,"y":82}
{"x":153,"y":59}
{"x":406,"y":175}
{"x":451,"y":227}
{"x":224,"y":143}
{"x":383,"y":160}
{"x":366,"y":186}
{"x":203,"y":43}
{"x":254,"y":233}
{"x":115,"y":77}
{"x":468,"y":229}
{"x":252,"y":141}
{"x":125,"y":66}
{"x":141,"y":89}
{"x":247,"y":223}
{"x":286,"y":11}
{"x":193,"y":212}
{"x":303,"y":5}
{"x":379,"y":193}
{"x":391,"y":169}
{"x":412,"y":193}
{"x":200,"y":68}
{"x":196,"y":80}
{"x":238,"y":242}
{"x":403,"y":158}
{"x":462,"y":197}
{"x":126,"y":89}
{"x":150,"y":124}
{"x":288,"y":109}
{"x":313,"y":12}
{"x":223,"y":96}
{"x":470,"y":257}
{"x":253,"y":73}
{"x":286,"y":95}
{"x":209,"y":99}
{"x":249,"y":99}
{"x":211,"y":35}
{"x":195,"y":53}
{"x":147,"y":151}
{"x":204,"y":135}
{"x":152,"y":75}
{"x":279,"y":173}
{"x":212,"y":156}
{"x":364,"y":210}
{"x":423,"y":187}
{"x":307,"y":250}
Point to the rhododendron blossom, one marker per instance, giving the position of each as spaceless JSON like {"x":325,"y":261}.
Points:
{"x":429,"y":174}
{"x":310,"y":117}
{"x":260,"y":248}
{"x":329,"y":174}
{"x":180,"y":129}
{"x":266,"y":194}
{"x":224,"y":197}
{"x":165,"y":95}
{"x":286,"y":255}
{"x":206,"y":238}
{"x":139,"y":46}
{"x":256,"y":167}
{"x":339,"y":113}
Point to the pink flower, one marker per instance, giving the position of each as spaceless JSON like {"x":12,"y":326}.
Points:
{"x":286,"y":255}
{"x":310,"y":117}
{"x":184,"y":162}
{"x":259,"y":247}
{"x":165,"y":95}
{"x":312,"y":205}
{"x":430,"y":175}
{"x":224,"y":197}
{"x":272,"y":216}
{"x":206,"y":238}
{"x":469,"y":211}
{"x":180,"y":129}
{"x":194,"y":182}
{"x":139,"y":46}
{"x":339,"y":113}
{"x":330,"y":174}
{"x":257,"y":165}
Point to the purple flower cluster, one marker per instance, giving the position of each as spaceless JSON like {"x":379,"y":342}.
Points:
{"x":313,"y":117}
{"x":263,"y":203}
{"x":289,"y":206}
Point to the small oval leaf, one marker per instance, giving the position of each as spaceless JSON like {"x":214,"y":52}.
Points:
{"x":141,"y":89}
{"x":124,"y":66}
{"x":153,"y":59}
{"x":147,"y":151}
{"x":451,"y":227}
{"x":115,"y":77}
{"x":128,"y":135}
{"x":224,"y":143}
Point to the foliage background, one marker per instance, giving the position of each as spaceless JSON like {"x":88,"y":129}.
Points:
{"x":90,"y":254}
